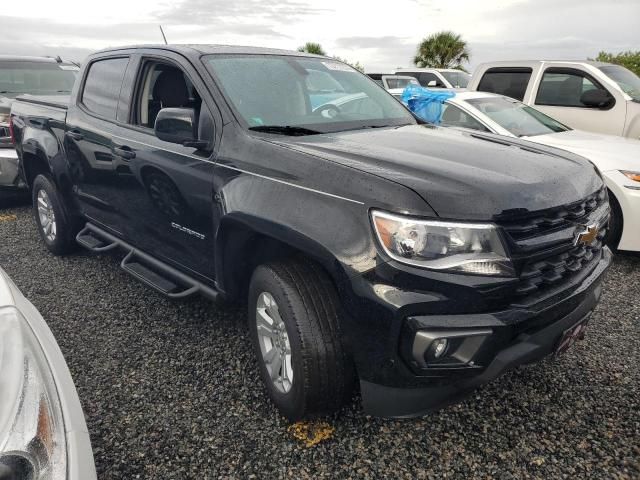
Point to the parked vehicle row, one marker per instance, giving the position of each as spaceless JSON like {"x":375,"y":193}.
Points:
{"x":26,"y":75}
{"x":370,"y":247}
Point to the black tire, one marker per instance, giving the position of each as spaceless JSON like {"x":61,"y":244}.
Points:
{"x":308,"y":303}
{"x":614,"y":233}
{"x":66,"y":229}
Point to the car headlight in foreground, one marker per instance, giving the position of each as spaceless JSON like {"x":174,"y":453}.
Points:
{"x":441,"y":245}
{"x":33,"y":444}
{"x":635,"y":176}
{"x":43,"y":435}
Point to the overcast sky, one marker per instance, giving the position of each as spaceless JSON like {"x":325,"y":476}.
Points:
{"x":380,"y":35}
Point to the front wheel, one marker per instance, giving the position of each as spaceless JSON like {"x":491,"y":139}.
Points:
{"x":294,"y":324}
{"x":55,"y":224}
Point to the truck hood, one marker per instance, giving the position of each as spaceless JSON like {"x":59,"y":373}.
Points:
{"x":607,"y":152}
{"x":460,"y":174}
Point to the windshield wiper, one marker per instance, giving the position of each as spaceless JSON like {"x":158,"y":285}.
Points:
{"x":285,"y":130}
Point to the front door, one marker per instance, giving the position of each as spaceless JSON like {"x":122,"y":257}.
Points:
{"x":558,"y":95}
{"x":166,"y":189}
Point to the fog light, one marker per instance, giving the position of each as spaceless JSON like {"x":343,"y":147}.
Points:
{"x":439,"y":347}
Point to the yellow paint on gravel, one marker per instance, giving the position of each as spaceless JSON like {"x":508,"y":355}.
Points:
{"x":311,"y":433}
{"x":8,"y":218}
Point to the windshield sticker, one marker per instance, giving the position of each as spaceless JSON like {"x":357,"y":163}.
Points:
{"x":68,"y":67}
{"x":342,"y":67}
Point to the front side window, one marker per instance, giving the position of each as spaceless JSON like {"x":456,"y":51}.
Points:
{"x":564,"y":88}
{"x":318,"y":94}
{"x":102,"y":86}
{"x":516,"y":117}
{"x":457,"y":79}
{"x":511,"y":82}
{"x":452,"y":116}
{"x":36,"y":78}
{"x":628,"y":81}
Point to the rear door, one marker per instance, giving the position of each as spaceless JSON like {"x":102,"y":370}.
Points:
{"x":166,"y":189}
{"x":558,"y":91}
{"x":88,"y":140}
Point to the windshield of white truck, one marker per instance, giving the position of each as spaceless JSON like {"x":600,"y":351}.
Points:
{"x":628,"y":81}
{"x":37,"y":78}
{"x":294,"y":95}
{"x":518,"y":118}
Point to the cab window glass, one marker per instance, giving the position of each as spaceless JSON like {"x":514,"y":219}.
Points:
{"x":509,"y":82}
{"x":102,"y":86}
{"x":453,"y":116}
{"x":564,"y":88}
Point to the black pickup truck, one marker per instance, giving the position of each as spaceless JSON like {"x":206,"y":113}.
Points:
{"x":418,"y":261}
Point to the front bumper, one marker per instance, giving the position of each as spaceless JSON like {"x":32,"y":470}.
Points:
{"x":517,"y":336}
{"x":627,"y":193}
{"x":9,"y":174}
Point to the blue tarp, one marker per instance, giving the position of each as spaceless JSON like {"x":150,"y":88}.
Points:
{"x":426,"y":103}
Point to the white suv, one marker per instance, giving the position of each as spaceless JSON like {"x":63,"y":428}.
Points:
{"x":592,"y":96}
{"x":437,"y":77}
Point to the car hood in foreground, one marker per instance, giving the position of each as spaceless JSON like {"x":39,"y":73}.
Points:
{"x":607,"y":152}
{"x":462,"y":175}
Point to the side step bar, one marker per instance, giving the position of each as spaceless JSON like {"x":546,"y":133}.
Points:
{"x":155,"y":273}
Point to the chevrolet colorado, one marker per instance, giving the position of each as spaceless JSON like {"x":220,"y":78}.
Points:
{"x":418,"y":261}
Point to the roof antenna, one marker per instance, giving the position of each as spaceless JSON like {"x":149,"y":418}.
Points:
{"x":163,"y":35}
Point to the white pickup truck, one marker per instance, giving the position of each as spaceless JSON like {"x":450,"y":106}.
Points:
{"x":592,"y":96}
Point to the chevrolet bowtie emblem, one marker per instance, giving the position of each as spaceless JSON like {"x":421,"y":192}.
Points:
{"x":588,"y":235}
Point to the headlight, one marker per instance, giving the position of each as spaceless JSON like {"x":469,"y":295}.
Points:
{"x":459,"y":247}
{"x":632,"y":175}
{"x":32,"y":437}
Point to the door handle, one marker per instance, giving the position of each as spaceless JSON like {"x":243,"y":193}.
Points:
{"x":75,"y":135}
{"x":125,"y":152}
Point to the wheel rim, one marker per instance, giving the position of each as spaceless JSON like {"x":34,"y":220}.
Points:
{"x":274,"y":342}
{"x":47,"y":216}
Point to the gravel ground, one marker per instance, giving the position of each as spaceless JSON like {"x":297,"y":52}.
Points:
{"x":171,"y":390}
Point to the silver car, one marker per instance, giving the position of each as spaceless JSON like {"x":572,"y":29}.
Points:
{"x":43,"y":434}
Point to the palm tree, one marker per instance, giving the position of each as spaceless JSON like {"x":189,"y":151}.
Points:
{"x":442,"y":50}
{"x":312,"y":47}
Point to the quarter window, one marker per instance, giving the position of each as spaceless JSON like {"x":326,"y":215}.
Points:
{"x":102,"y":86}
{"x":564,"y":88}
{"x":453,"y":116}
{"x":511,"y":82}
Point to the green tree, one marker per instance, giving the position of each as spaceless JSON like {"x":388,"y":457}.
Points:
{"x":629,"y":60}
{"x":312,"y":47}
{"x":442,"y":50}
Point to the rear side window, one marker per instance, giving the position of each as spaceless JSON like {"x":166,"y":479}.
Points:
{"x":511,"y":82}
{"x":564,"y":87}
{"x":424,"y":78}
{"x":102,"y":86}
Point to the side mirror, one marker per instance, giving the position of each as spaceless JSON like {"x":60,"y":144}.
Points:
{"x":176,"y":125}
{"x":432,"y":83}
{"x":596,"y":98}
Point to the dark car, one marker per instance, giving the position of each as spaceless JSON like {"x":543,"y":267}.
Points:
{"x":417,"y":260}
{"x":26,"y":75}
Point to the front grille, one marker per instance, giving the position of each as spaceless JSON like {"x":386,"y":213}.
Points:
{"x":544,"y":249}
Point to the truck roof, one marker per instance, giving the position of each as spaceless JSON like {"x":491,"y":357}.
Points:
{"x":519,"y":63}
{"x":191,"y":49}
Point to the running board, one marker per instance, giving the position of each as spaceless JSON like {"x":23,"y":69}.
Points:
{"x":149,"y":270}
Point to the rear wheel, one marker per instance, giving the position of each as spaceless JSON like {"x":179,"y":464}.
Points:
{"x":615,"y":223}
{"x":55,"y":224}
{"x":294,"y":324}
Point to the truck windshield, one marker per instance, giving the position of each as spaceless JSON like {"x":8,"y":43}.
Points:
{"x":294,"y":95}
{"x":518,"y":118}
{"x":38,"y":78}
{"x":457,"y":79}
{"x":628,"y":81}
